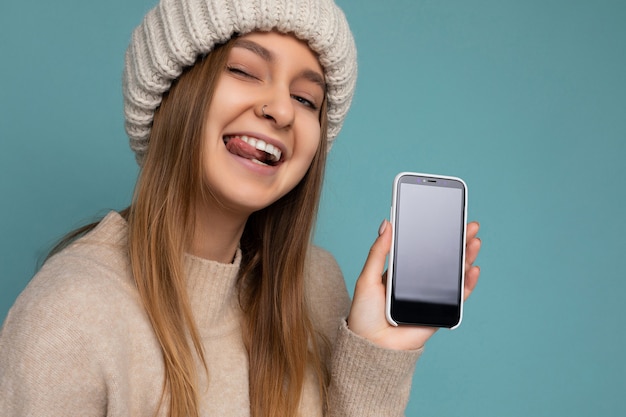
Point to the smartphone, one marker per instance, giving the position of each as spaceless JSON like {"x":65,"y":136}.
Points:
{"x":427,"y":260}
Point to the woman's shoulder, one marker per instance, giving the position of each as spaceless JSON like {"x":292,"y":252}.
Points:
{"x":81,"y":286}
{"x":103,"y":249}
{"x":326,"y":291}
{"x":321,"y":259}
{"x":322,"y":272}
{"x":73,"y":325}
{"x":95,"y":263}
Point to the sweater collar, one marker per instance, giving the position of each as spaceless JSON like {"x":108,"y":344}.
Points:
{"x":211,"y":285}
{"x":212,"y":289}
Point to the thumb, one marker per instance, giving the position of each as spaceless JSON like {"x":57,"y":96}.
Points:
{"x":375,"y":263}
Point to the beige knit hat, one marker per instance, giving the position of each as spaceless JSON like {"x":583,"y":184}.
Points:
{"x":176,"y":32}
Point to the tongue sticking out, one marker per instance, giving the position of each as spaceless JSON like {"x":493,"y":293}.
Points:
{"x":240,"y":148}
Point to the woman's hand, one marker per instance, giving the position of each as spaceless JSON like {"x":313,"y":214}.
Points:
{"x":367,"y":314}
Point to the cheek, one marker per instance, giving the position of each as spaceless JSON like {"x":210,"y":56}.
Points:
{"x":306,"y":152}
{"x":309,"y":139}
{"x":303,"y":162}
{"x":227,"y":96}
{"x":225,"y":106}
{"x":311,"y":153}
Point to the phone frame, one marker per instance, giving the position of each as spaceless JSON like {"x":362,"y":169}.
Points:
{"x":390,"y":269}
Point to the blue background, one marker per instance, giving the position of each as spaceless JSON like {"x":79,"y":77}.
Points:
{"x":525,"y":100}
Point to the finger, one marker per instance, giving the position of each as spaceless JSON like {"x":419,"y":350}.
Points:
{"x":375,"y":263}
{"x":471,"y":279}
{"x":472,"y":230}
{"x":471,"y":251}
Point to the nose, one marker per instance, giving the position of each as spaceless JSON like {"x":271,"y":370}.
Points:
{"x":279,"y":109}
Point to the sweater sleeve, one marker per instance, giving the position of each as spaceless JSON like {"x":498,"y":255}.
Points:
{"x":366,"y":380}
{"x":48,"y":366}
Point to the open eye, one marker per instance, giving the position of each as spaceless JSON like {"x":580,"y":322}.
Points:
{"x":304,"y":101}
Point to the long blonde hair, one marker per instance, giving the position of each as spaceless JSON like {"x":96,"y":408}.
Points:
{"x":278,"y":331}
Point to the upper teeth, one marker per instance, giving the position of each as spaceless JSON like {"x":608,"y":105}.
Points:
{"x":263,"y":146}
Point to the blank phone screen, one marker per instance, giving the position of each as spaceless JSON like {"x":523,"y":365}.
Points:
{"x":428,"y":251}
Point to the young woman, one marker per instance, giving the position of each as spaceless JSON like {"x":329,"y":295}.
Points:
{"x":205,"y":296}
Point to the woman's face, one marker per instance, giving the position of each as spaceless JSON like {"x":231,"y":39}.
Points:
{"x":263,"y":125}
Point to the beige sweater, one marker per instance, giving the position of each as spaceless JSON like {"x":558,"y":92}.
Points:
{"x":78,"y":343}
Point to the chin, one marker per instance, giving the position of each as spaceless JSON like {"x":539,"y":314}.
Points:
{"x":245,"y":201}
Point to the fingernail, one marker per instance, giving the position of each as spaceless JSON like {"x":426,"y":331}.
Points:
{"x":382,"y":228}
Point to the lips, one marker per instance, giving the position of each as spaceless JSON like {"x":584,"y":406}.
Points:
{"x":254,"y":149}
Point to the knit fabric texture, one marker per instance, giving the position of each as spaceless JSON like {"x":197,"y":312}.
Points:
{"x":78,"y":342}
{"x":176,"y":32}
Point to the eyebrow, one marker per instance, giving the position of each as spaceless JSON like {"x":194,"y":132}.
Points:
{"x":266,"y":55}
{"x":255,"y":48}
{"x":314,"y":77}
